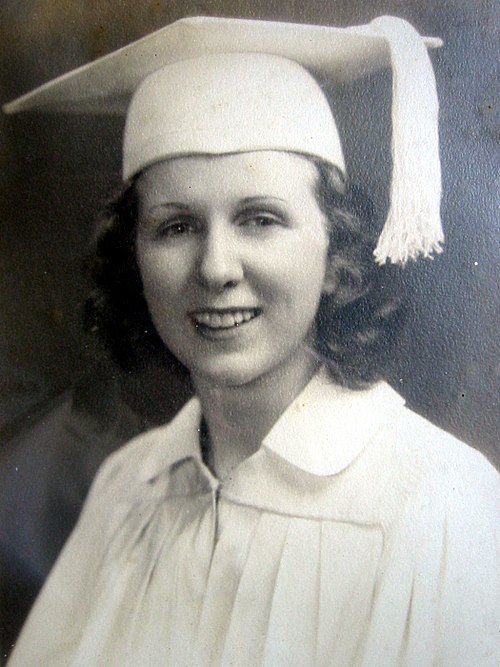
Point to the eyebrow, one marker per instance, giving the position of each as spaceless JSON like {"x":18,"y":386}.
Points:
{"x":246,"y":201}
{"x":261,"y":199}
{"x":170,"y":204}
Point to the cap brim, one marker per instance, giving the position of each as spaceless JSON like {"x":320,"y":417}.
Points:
{"x":105,"y":86}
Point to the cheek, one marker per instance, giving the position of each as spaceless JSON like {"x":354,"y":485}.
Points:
{"x":163,"y":292}
{"x":305,"y":265}
{"x":163,"y":276}
{"x":298,"y":279}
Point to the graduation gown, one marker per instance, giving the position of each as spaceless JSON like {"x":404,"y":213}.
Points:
{"x":358,"y":534}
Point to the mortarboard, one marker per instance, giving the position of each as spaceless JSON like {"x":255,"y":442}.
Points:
{"x":215,"y":86}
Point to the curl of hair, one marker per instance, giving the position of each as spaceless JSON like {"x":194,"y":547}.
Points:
{"x":115,"y":310}
{"x":357,"y":323}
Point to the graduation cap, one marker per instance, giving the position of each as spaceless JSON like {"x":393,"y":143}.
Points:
{"x":218,"y":86}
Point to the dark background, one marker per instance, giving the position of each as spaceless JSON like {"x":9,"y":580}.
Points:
{"x":56,"y":171}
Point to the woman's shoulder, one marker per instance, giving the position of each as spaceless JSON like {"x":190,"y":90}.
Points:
{"x":386,"y":444}
{"x":432,"y":449}
{"x":418,"y":463}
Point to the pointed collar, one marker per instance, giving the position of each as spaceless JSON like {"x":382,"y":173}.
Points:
{"x":322,"y":431}
{"x":173,"y":442}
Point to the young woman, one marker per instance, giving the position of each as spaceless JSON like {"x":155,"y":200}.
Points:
{"x":294,"y":512}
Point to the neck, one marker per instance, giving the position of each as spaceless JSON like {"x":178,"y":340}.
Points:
{"x":239,"y":417}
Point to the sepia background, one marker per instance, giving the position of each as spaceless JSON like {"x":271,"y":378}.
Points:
{"x":63,"y":404}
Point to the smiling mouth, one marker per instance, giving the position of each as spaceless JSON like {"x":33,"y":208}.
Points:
{"x":219,"y":320}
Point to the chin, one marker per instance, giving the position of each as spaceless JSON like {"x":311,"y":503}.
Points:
{"x":229,"y":373}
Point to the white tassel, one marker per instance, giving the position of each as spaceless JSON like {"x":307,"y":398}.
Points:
{"x":413,"y":225}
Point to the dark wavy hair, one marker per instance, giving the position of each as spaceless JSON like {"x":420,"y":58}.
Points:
{"x":357,"y":324}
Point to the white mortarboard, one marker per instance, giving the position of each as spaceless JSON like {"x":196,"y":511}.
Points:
{"x":216,"y":86}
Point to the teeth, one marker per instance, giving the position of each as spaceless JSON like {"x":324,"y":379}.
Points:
{"x":227,"y":320}
{"x":224,"y":320}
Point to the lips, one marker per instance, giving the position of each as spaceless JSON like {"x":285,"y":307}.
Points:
{"x":216,"y":320}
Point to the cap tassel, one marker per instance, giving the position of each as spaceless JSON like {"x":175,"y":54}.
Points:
{"x":413,"y":225}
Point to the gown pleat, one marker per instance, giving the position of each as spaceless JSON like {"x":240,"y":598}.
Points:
{"x":291,"y":634}
{"x":350,"y":558}
{"x":254,"y":595}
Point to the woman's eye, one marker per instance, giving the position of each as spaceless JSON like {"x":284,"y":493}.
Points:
{"x":179,"y":226}
{"x":260,"y":220}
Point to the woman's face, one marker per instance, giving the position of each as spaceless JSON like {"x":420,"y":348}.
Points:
{"x":232,"y":251}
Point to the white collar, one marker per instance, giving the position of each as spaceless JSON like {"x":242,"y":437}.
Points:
{"x":321,"y":432}
{"x":327,"y":426}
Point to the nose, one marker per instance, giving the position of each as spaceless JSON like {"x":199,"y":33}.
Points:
{"x":219,"y":263}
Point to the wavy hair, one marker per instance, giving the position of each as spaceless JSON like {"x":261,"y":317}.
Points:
{"x":357,"y":324}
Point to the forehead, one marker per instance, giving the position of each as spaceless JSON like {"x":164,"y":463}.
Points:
{"x":257,"y":173}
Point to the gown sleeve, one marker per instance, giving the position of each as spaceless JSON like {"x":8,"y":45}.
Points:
{"x":469,"y":579}
{"x":439,"y":587}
